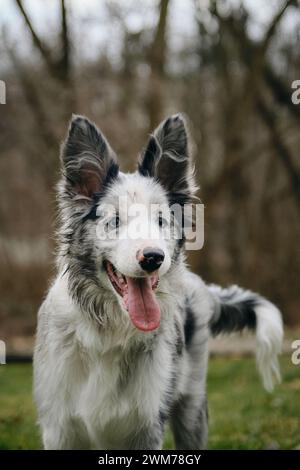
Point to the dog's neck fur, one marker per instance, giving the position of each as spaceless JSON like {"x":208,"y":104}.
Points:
{"x":106,"y":320}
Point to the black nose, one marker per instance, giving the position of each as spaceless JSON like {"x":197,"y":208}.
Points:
{"x":151,"y":259}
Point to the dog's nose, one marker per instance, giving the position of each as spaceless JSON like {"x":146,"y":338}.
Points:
{"x":151,"y":259}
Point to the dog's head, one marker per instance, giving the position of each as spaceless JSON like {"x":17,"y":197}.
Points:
{"x":120,"y":232}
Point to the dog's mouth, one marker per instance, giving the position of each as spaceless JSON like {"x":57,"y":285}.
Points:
{"x":138,"y":297}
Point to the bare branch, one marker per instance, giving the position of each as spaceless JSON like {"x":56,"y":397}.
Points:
{"x":240,"y":34}
{"x":48,"y":138}
{"x":65,"y":58}
{"x":157,"y":55}
{"x":254,"y":58}
{"x":39,"y":44}
{"x":158,"y":48}
{"x":279,"y":146}
{"x":274,"y":24}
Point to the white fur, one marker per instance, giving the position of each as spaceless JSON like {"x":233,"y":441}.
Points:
{"x":269,"y":336}
{"x":76,"y":382}
{"x":100,"y":383}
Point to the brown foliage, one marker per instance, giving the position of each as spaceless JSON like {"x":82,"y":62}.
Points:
{"x":244,"y":125}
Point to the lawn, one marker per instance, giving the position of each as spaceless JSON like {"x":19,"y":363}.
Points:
{"x":242,"y":414}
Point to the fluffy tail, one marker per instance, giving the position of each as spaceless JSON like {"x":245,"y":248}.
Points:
{"x":237,"y":309}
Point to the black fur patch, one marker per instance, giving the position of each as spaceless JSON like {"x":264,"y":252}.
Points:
{"x":147,"y":166}
{"x":112,"y":174}
{"x":235,"y":317}
{"x":179,"y":340}
{"x":92,"y":214}
{"x":163,"y":416}
{"x":179,"y":198}
{"x":189,"y":326}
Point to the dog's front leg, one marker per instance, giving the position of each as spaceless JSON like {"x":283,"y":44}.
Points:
{"x":68,"y":434}
{"x":189,"y":423}
{"x":150,"y":438}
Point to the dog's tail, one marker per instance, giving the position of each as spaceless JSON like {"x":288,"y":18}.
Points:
{"x":237,"y":309}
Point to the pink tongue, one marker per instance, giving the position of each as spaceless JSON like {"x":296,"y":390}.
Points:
{"x":142,"y":305}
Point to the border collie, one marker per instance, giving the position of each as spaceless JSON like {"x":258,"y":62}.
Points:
{"x":122,"y":337}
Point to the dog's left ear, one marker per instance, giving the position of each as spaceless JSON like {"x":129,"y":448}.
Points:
{"x":167,"y":159}
{"x":88,"y":161}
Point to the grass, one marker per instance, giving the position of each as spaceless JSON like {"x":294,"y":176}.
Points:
{"x":242,"y":414}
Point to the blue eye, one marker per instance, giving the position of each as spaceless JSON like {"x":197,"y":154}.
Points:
{"x":162,"y":222}
{"x":113,"y":223}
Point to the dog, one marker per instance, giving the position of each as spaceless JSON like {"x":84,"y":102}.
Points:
{"x":122,"y":336}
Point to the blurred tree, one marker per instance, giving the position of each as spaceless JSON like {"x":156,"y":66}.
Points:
{"x":157,"y":62}
{"x":235,"y":90}
{"x":247,"y":89}
{"x":62,"y":94}
{"x":58,"y":65}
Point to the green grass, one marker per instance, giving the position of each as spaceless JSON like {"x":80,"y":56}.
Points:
{"x":242,"y":414}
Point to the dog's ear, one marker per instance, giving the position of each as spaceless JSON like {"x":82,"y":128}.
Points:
{"x":88,"y":161}
{"x":166,"y":158}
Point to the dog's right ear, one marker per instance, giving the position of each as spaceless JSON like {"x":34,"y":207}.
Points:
{"x":88,"y":161}
{"x":166,"y":158}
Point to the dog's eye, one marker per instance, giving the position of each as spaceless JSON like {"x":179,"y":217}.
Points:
{"x":113,"y":223}
{"x":162,"y":222}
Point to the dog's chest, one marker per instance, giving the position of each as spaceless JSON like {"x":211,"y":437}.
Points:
{"x":123,"y":392}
